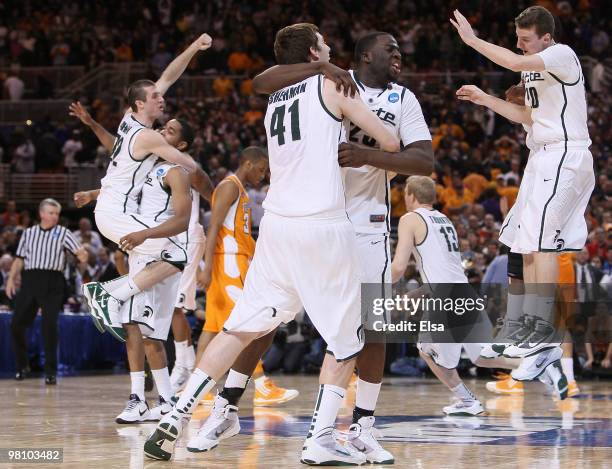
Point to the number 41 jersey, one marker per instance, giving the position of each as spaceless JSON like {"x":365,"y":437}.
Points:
{"x":367,"y":188}
{"x":438,"y":256}
{"x":303,"y":137}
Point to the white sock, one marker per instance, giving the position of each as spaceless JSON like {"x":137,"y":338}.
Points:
{"x":138,"y":384}
{"x":544,"y":308}
{"x":514,"y":307}
{"x":189,"y":357}
{"x":463,"y":393}
{"x":198,"y":385}
{"x":259,"y":382}
{"x":236,"y":380}
{"x":162,"y":382}
{"x":327,"y":407}
{"x":567,"y":364}
{"x":126,"y":290}
{"x":179,"y":352}
{"x":112,"y":285}
{"x":529,"y":303}
{"x":367,"y":394}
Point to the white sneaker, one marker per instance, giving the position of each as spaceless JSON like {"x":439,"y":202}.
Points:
{"x":160,"y":445}
{"x":361,"y":436}
{"x":461,"y":407}
{"x":557,"y":378}
{"x":533,"y":366}
{"x":323,"y":449}
{"x":542,"y":336}
{"x":493,"y":350}
{"x":160,"y":410}
{"x":135,"y":411}
{"x":179,"y":376}
{"x":222,"y":423}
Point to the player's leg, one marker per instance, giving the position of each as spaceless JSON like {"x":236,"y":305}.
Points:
{"x":156,"y":356}
{"x":444,"y":367}
{"x":136,"y":409}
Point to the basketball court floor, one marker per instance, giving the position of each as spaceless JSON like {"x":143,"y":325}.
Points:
{"x":532,"y":431}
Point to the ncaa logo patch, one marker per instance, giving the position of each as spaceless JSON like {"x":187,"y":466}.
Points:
{"x":393,"y":98}
{"x":159,"y":172}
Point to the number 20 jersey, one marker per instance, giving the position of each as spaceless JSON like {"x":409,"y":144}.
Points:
{"x":125,"y":176}
{"x":367,"y":188}
{"x":303,"y":137}
{"x":438,"y":255}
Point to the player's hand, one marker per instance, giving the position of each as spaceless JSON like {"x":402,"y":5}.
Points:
{"x":77,"y":110}
{"x":82,"y":198}
{"x":516,"y":94}
{"x":203,"y":42}
{"x":588,"y":364}
{"x":130,"y":241}
{"x":342,"y":78}
{"x":204,"y":278}
{"x":352,"y":156}
{"x":605,"y":363}
{"x":11,"y":287}
{"x":471,"y":93}
{"x":463,"y":27}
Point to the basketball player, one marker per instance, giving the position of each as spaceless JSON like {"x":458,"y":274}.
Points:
{"x":228,"y":253}
{"x":156,"y":203}
{"x":131,"y":160}
{"x":305,"y":255}
{"x":559,"y":174}
{"x":366,"y":173}
{"x":431,"y":238}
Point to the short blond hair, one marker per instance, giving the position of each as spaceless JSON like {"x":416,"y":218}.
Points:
{"x":423,"y":188}
{"x":49,"y":201}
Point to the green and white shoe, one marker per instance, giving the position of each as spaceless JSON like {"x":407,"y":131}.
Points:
{"x":109,"y":310}
{"x":89,"y":292}
{"x":160,"y":445}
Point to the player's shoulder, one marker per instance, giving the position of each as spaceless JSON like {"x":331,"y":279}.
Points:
{"x":411,"y":217}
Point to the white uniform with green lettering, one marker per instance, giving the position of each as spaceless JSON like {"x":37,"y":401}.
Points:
{"x":306,"y":256}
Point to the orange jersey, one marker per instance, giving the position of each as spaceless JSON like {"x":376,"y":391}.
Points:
{"x":235,"y":233}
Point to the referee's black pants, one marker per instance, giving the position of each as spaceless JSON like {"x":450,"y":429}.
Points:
{"x":39,"y":289}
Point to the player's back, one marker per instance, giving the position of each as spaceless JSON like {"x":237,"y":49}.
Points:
{"x":125,"y":176}
{"x":438,"y":255}
{"x":303,"y":136}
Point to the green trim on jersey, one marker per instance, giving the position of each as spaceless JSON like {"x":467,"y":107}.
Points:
{"x":320,"y":87}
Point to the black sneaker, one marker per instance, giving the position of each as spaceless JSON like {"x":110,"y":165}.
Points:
{"x":21,"y":375}
{"x":50,"y":380}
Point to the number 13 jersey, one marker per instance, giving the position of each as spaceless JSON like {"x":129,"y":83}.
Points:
{"x":438,"y":255}
{"x":303,"y":137}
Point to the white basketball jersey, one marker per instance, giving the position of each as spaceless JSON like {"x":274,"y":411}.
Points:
{"x":120,"y":188}
{"x":156,"y":201}
{"x":303,"y":137}
{"x":367,"y":188}
{"x":557,"y":98}
{"x":438,"y":256}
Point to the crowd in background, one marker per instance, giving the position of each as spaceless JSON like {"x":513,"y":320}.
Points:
{"x":479,"y":156}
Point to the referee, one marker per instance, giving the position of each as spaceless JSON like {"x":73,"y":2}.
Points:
{"x":42,"y":253}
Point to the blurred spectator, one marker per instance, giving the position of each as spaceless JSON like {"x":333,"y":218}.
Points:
{"x":72,"y":146}
{"x":14,"y":87}
{"x":5,"y":267}
{"x":85,"y":235}
{"x":24,"y":156}
{"x":9,"y":212}
{"x":223,"y":86}
{"x":456,"y":196}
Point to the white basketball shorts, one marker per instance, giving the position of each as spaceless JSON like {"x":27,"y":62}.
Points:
{"x":304,"y":262}
{"x":548,"y":215}
{"x":187,"y":286}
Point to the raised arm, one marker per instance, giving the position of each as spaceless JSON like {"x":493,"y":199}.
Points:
{"x":106,"y":138}
{"x":225,"y":196}
{"x":176,"y":68}
{"x":281,"y":76}
{"x":514,"y":112}
{"x":150,"y":142}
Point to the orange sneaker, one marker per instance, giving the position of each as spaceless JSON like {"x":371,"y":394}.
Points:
{"x":572,"y":389}
{"x":268,"y":393}
{"x":507,"y":386}
{"x":353,"y":381}
{"x":208,"y":399}
{"x":259,"y":370}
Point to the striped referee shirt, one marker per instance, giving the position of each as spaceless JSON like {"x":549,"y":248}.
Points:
{"x":46,"y":249}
